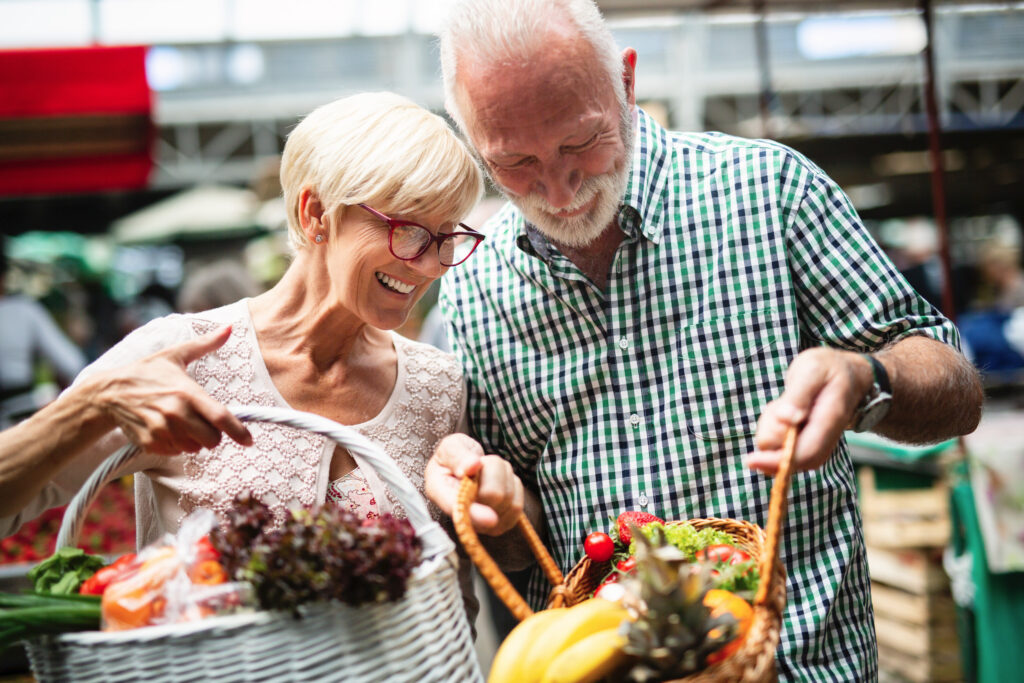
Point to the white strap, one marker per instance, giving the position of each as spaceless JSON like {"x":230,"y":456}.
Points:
{"x":435,"y":541}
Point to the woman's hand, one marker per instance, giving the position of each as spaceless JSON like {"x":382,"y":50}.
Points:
{"x":160,"y":408}
{"x":153,"y":400}
{"x":499,"y":497}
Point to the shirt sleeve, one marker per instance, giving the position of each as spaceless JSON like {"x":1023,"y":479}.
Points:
{"x":850,"y":294}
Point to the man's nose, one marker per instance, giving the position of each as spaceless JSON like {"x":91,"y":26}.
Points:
{"x":559,"y":183}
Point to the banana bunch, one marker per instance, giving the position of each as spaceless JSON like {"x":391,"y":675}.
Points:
{"x":580,"y":644}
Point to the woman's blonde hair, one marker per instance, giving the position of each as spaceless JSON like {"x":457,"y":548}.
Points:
{"x":379,"y":149}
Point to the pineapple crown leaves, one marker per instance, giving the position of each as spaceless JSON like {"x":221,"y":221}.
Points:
{"x":675,"y":631}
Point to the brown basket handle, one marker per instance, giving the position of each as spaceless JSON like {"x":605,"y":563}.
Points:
{"x":777,"y":505}
{"x":517,"y":606}
{"x":485,"y":563}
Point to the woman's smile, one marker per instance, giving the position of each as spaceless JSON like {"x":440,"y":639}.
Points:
{"x":393,"y":284}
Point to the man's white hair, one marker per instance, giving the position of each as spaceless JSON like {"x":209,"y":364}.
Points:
{"x":495,"y":32}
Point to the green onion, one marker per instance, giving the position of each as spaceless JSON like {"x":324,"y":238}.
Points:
{"x":32,"y":614}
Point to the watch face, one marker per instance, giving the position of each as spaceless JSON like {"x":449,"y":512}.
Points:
{"x":873,"y":413}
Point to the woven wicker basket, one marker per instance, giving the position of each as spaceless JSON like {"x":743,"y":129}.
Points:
{"x":422,"y":637}
{"x":754,"y":662}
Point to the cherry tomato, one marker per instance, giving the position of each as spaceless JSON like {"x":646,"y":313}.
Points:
{"x":599,"y":546}
{"x":627,"y":565}
{"x":723,"y":552}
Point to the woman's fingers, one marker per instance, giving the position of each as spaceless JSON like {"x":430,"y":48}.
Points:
{"x":162,"y":409}
{"x":455,"y":456}
{"x":499,"y":497}
{"x":502,"y":491}
{"x":219,"y":419}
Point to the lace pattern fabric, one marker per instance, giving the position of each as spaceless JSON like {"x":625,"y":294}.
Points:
{"x":282,"y":467}
{"x":429,"y":410}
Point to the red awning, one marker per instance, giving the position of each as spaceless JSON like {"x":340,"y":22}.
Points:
{"x":74,"y":120}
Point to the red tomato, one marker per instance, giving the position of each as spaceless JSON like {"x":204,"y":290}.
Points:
{"x":205,"y":550}
{"x":723,"y":552}
{"x":98,"y":582}
{"x":627,"y":565}
{"x":599,"y":546}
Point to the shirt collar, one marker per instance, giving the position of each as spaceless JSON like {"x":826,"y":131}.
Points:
{"x":648,"y":176}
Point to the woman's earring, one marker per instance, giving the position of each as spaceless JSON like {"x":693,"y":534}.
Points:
{"x":319,"y":239}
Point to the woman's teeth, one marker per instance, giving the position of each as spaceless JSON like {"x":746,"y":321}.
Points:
{"x":395,"y":285}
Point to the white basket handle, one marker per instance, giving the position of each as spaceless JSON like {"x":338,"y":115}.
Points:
{"x":435,"y":541}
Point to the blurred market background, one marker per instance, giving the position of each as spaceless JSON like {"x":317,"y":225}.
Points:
{"x":139,"y":142}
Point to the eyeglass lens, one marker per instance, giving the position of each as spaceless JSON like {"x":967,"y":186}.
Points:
{"x":409,"y":241}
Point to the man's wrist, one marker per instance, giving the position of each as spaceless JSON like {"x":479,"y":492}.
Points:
{"x":876,"y":401}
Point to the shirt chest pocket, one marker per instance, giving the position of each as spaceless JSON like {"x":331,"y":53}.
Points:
{"x":729,"y":367}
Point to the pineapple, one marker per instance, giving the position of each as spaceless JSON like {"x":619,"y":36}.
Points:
{"x":672,"y":636}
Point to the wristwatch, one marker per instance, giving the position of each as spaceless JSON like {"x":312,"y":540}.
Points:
{"x":875,"y":404}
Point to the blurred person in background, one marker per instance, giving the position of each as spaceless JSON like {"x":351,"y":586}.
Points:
{"x":154,"y":301}
{"x":653,"y":311}
{"x":994,"y":331}
{"x":29,"y":335}
{"x":216,"y":284}
{"x":999,"y":265}
{"x":375,"y":188}
{"x":916,"y":255}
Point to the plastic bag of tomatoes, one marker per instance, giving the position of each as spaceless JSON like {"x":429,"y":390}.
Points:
{"x":179,"y":578}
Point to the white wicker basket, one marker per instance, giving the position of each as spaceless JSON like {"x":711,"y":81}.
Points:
{"x":423,"y":637}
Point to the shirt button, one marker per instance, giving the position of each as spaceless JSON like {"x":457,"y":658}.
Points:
{"x":624,"y":343}
{"x":634,"y":420}
{"x":643,"y":500}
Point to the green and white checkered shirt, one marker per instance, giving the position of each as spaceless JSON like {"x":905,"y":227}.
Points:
{"x":737,"y":255}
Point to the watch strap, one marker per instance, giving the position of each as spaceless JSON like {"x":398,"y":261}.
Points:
{"x":875,"y":404}
{"x":881,"y":375}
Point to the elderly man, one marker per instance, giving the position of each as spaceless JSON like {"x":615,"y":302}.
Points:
{"x":654,"y":309}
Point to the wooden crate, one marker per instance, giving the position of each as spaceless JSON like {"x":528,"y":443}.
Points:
{"x":905,"y":518}
{"x":905,"y":532}
{"x":916,"y":632}
{"x":894,"y":665}
{"x":914,"y":640}
{"x":915,"y":570}
{"x":923,"y":610}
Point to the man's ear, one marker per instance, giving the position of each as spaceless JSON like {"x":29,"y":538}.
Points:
{"x":629,"y":74}
{"x":311,"y":214}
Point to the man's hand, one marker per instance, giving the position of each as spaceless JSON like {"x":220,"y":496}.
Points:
{"x":160,"y":408}
{"x":823,"y":389}
{"x":500,"y":496}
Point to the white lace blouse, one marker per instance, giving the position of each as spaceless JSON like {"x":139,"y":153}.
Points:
{"x":284,"y":466}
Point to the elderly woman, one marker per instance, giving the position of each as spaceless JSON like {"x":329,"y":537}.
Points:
{"x":375,"y":187}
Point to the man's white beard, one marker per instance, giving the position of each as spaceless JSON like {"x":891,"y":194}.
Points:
{"x":578,"y":231}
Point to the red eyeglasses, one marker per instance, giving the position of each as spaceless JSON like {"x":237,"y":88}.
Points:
{"x":408,"y":241}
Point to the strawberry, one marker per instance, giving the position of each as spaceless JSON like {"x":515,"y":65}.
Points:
{"x":638,"y":519}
